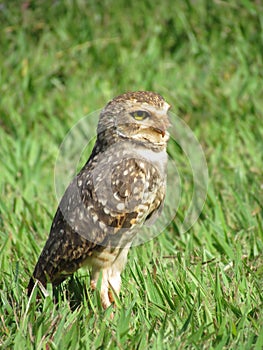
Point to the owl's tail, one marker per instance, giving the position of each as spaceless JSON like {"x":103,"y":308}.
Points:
{"x":40,"y":278}
{"x":30,"y":286}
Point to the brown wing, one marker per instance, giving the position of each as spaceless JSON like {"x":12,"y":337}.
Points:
{"x":101,"y":204}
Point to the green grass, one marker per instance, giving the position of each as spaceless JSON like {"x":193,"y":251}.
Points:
{"x":59,"y":61}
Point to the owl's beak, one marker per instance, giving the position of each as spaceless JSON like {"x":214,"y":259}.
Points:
{"x":160,"y":131}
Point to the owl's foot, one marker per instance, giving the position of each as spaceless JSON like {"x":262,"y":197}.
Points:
{"x":110,"y":286}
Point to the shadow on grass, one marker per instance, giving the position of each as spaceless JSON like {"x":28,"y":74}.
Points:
{"x":74,"y":291}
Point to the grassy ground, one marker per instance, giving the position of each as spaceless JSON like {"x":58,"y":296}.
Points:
{"x":60,"y":60}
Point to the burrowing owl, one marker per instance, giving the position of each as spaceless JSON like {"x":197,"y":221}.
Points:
{"x":121,"y":187}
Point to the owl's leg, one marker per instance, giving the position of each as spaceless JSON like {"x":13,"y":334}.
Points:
{"x":114,"y":284}
{"x":111,"y":277}
{"x":114,"y":274}
{"x":104,"y":296}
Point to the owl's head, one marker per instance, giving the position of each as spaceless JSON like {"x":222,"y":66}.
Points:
{"x":141,"y":116}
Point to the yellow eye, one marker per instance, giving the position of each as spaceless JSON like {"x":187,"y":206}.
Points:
{"x":140,"y":115}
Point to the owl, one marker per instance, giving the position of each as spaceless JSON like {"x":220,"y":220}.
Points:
{"x":120,"y":188}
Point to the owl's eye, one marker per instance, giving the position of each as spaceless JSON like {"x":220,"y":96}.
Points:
{"x":140,"y":115}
